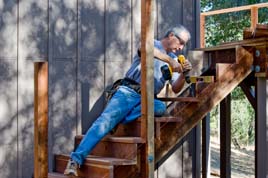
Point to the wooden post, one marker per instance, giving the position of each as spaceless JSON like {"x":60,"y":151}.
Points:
{"x":202,"y":30}
{"x":147,"y":86}
{"x":206,"y":146}
{"x":261,"y":134}
{"x":225,"y":132}
{"x":40,"y":119}
{"x":254,"y":17}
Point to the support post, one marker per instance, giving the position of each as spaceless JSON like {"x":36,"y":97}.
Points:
{"x":147,"y":87}
{"x":261,"y":132}
{"x":225,"y":138}
{"x":254,"y":17}
{"x":202,"y":30}
{"x":40,"y":119}
{"x":206,"y":146}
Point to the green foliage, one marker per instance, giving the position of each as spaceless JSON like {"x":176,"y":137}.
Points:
{"x":242,"y":118}
{"x":228,"y":27}
{"x":225,"y":28}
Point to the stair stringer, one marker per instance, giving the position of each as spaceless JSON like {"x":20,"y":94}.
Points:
{"x":212,"y":95}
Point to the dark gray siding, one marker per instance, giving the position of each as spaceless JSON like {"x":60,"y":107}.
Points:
{"x":89,"y":44}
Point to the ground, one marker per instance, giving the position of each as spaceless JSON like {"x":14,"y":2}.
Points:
{"x":242,"y":161}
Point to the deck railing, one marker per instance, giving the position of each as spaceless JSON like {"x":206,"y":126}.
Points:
{"x":253,"y":16}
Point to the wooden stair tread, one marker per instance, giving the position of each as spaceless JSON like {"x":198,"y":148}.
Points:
{"x":168,"y":119}
{"x":118,"y":139}
{"x":91,"y":159}
{"x":58,"y":175}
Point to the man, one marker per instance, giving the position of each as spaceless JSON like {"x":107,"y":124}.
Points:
{"x":125,"y":104}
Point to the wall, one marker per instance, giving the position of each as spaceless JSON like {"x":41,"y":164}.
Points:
{"x":89,"y":44}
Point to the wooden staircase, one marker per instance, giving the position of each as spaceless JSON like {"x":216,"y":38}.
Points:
{"x":118,"y":155}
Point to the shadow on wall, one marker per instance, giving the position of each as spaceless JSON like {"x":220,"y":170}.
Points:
{"x":89,"y":45}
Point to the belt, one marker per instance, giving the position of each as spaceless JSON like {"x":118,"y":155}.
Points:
{"x":131,"y":84}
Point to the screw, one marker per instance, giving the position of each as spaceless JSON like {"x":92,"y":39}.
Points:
{"x":257,"y":68}
{"x":150,"y":158}
{"x":257,"y":53}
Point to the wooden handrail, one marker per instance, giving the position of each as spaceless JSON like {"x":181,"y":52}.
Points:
{"x":254,"y":17}
{"x":234,"y":9}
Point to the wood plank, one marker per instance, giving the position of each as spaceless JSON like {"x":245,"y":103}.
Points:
{"x":87,"y":169}
{"x":209,"y":98}
{"x":257,"y":33}
{"x":180,"y":99}
{"x":118,"y":139}
{"x":262,"y":26}
{"x":40,"y":119}
{"x":233,"y":45}
{"x":118,"y":147}
{"x":57,"y":175}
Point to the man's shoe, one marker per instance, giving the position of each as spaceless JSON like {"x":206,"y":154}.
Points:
{"x":71,"y":168}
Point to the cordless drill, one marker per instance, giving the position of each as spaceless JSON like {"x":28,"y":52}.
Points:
{"x":181,"y":60}
{"x":167,"y":71}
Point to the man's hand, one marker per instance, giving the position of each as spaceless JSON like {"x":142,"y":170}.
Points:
{"x":187,"y":66}
{"x":175,"y":66}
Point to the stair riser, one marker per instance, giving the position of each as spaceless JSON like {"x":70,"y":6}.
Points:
{"x":131,"y":129}
{"x":87,"y":171}
{"x":113,"y":149}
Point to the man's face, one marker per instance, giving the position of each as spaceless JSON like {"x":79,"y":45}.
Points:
{"x":176,"y":43}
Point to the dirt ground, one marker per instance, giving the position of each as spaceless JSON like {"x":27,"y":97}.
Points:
{"x":242,"y":161}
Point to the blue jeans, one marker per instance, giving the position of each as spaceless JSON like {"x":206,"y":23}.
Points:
{"x":124,"y":106}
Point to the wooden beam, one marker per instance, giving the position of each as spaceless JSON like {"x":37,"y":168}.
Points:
{"x":247,"y":91}
{"x":234,"y":9}
{"x":225,"y":137}
{"x":40,"y":119}
{"x":147,"y":87}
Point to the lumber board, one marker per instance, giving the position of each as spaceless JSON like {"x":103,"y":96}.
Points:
{"x":40,"y":119}
{"x":180,"y":99}
{"x":233,"y":45}
{"x":209,"y":98}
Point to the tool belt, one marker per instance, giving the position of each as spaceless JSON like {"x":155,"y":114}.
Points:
{"x":122,"y":82}
{"x":131,"y":84}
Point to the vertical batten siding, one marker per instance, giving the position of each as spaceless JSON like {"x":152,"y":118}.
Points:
{"x":8,"y":90}
{"x":63,"y":75}
{"x":32,"y":45}
{"x":89,"y":44}
{"x":92,"y":61}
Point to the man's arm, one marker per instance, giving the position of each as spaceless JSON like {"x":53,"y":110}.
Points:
{"x":175,"y":66}
{"x":178,"y":84}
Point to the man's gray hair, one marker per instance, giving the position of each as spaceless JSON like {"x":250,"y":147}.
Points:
{"x":179,"y":31}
